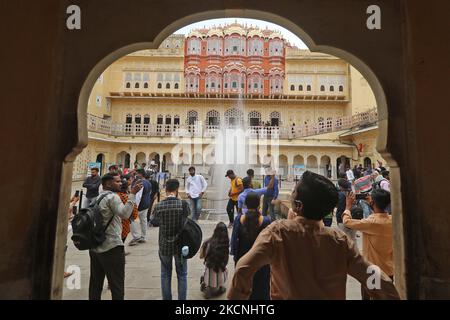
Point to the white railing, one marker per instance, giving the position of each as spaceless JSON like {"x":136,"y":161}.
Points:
{"x":96,"y":124}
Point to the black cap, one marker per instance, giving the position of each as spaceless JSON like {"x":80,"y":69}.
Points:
{"x":229,"y":172}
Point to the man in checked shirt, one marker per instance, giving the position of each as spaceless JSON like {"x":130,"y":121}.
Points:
{"x":171,"y":213}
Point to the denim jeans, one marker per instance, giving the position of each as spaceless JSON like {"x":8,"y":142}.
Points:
{"x":166,"y":276}
{"x":196,"y":207}
{"x":267,"y":205}
{"x":143,"y":224}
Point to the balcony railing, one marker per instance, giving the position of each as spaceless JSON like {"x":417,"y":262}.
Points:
{"x":96,"y":124}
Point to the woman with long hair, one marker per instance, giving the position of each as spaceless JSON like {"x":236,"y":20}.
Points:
{"x":215,"y":251}
{"x":245,"y":231}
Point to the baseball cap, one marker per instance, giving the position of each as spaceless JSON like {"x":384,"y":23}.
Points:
{"x":229,"y":172}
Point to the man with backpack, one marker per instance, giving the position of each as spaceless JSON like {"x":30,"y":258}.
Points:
{"x":171,"y":213}
{"x":109,"y":257}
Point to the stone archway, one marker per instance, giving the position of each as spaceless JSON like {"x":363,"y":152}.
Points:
{"x":355,"y":61}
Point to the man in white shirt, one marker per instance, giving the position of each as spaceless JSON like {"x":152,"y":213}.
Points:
{"x":350,"y":175}
{"x":195,"y":188}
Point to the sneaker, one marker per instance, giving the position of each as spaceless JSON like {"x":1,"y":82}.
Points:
{"x":133,"y":242}
{"x":142,"y":240}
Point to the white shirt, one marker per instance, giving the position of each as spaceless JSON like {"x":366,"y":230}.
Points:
{"x":385,"y":185}
{"x":350,"y":176}
{"x":195,"y":185}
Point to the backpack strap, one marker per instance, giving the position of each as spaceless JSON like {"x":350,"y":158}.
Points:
{"x":97,"y":203}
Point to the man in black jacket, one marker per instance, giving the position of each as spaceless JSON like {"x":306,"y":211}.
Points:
{"x":92,"y":184}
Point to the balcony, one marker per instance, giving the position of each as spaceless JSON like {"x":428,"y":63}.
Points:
{"x":361,"y":120}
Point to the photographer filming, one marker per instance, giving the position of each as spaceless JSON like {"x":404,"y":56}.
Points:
{"x":376,"y":230}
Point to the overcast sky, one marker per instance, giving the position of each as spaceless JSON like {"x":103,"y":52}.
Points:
{"x":289,"y":36}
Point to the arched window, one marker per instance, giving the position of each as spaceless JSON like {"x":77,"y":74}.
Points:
{"x":322,"y":88}
{"x":128,"y":85}
{"x":292,"y":87}
{"x":146,"y":85}
{"x":136,"y":85}
{"x":167,"y":85}
{"x":331,"y":88}
{"x":192,"y":117}
{"x":159,"y":85}
{"x":128,"y":118}
{"x":308,"y":88}
{"x":146,"y":119}
{"x":176,"y":86}
{"x":300,"y":88}
{"x":159,"y":119}
{"x":341,"y":88}
{"x":137,"y":118}
{"x":275,"y":118}
{"x":234,"y":117}
{"x":213,"y":118}
{"x":254,"y":118}
{"x":176,"y":120}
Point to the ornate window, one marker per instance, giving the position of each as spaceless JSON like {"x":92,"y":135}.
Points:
{"x":331,"y":88}
{"x":292,"y":87}
{"x":214,"y":45}
{"x":308,"y":88}
{"x":194,"y":46}
{"x":159,"y":85}
{"x":146,"y":85}
{"x":128,"y":118}
{"x":146,"y":119}
{"x":176,"y":120}
{"x":167,"y":85}
{"x":276,"y":47}
{"x":255,"y":47}
{"x":192,"y":117}
{"x":341,"y":88}
{"x":322,"y":88}
{"x":137,"y":118}
{"x":136,"y":85}
{"x":275,"y":118}
{"x":176,"y":85}
{"x":234,"y":117}
{"x":213,"y":118}
{"x":128,"y":79}
{"x":300,"y":88}
{"x":254,"y":118}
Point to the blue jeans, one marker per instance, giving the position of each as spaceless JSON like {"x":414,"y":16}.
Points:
{"x":268,"y":206}
{"x":196,"y":207}
{"x":166,"y":276}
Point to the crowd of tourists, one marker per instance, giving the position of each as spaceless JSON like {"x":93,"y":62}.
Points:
{"x":301,"y":256}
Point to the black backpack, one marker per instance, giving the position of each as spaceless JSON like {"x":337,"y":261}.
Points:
{"x":87,"y":226}
{"x":190,"y":235}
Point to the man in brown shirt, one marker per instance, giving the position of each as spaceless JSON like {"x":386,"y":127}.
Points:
{"x":307,"y":260}
{"x":376,"y":230}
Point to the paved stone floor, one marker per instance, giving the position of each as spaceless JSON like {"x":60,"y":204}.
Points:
{"x":142,"y":269}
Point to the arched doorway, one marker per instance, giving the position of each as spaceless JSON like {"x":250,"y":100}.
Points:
{"x":101,"y":159}
{"x":342,"y":164}
{"x":367,"y":163}
{"x":367,"y":70}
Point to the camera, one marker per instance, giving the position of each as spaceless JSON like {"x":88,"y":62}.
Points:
{"x":361,"y":196}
